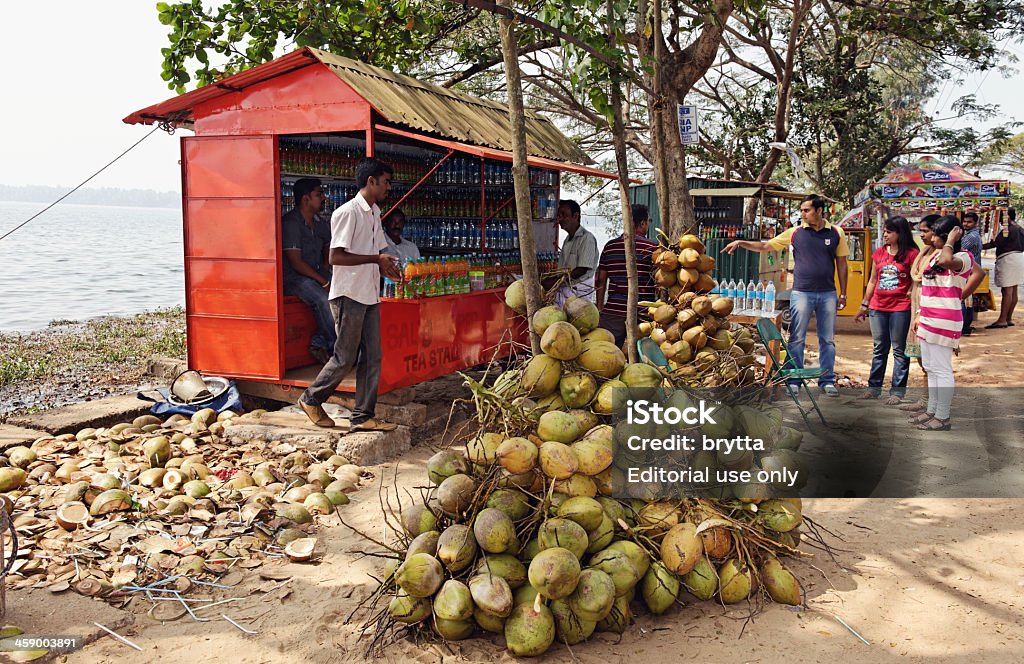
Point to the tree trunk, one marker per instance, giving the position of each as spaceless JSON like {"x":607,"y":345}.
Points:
{"x":520,"y":174}
{"x":628,"y":230}
{"x":656,"y":103}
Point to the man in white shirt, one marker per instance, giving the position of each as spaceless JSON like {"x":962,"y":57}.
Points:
{"x":398,"y":246}
{"x":358,"y":259}
{"x":579,"y":255}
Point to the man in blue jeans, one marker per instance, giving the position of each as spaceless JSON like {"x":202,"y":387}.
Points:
{"x":306,"y":271}
{"x":819,"y":254}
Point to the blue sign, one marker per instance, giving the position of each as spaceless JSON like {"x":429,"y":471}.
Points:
{"x":689,"y":130}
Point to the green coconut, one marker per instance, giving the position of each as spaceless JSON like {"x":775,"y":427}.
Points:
{"x":681,"y":548}
{"x":21,"y":456}
{"x":734,"y":581}
{"x":489,"y":623}
{"x":517,"y":455}
{"x":295,"y":513}
{"x":594,"y":595}
{"x":554,"y":572}
{"x":604,"y":402}
{"x":561,"y":341}
{"x":506,"y":566}
{"x":702,"y":580}
{"x":598,"y":334}
{"x":570,"y":629}
{"x":602,"y":359}
{"x":593,"y":457}
{"x":515,"y":296}
{"x":659,"y":588}
{"x":409,"y":610}
{"x":453,"y":630}
{"x":453,"y":601}
{"x":550,"y":402}
{"x":494,"y":530}
{"x":456,"y":547}
{"x":779,"y":515}
{"x":513,"y":503}
{"x":559,"y":427}
{"x":782,"y":586}
{"x":577,"y":484}
{"x":424,"y":543}
{"x":482,"y":448}
{"x":563,"y":533}
{"x":420,"y":575}
{"x":541,"y":376}
{"x":545,"y":317}
{"x":582,"y":313}
{"x":557,"y":460}
{"x":455,"y":494}
{"x":491,"y":594}
{"x":530,"y":550}
{"x":587,"y":512}
{"x":318,"y":503}
{"x":585,"y":419}
{"x":619,"y":618}
{"x":11,"y":478}
{"x":638,"y":374}
{"x":525,"y":594}
{"x":529,"y":632}
{"x":196,"y":489}
{"x":601,"y":536}
{"x":619,"y":567}
{"x":615,"y":511}
{"x":418,"y":519}
{"x":444,"y":464}
{"x":724,"y":420}
{"x":577,"y":389}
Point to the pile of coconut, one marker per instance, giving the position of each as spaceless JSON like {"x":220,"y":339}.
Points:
{"x":106,"y":507}
{"x":527,"y":534}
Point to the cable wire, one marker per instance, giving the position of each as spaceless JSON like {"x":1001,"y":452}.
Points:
{"x":83,"y":182}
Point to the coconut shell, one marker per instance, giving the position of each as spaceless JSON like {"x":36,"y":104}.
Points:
{"x":529,"y":630}
{"x":112,"y":500}
{"x":690,"y":241}
{"x":664,"y":278}
{"x":702,"y":580}
{"x":554,"y":573}
{"x":491,"y":594}
{"x":689,"y":258}
{"x":456,"y":547}
{"x":659,"y":588}
{"x":455,"y":494}
{"x":453,"y":601}
{"x":420,"y":575}
{"x":300,"y":550}
{"x":780,"y":583}
{"x":594,"y":595}
{"x":695,"y":337}
{"x":11,"y":478}
{"x":734,"y":581}
{"x":73,"y":515}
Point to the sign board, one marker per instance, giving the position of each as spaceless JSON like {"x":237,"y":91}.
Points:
{"x":689,"y":129}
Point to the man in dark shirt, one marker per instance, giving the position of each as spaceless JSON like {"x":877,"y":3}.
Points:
{"x":819,"y":255}
{"x":306,"y":270}
{"x":971,"y":243}
{"x":611,"y":275}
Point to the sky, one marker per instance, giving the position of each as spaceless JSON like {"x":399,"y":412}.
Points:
{"x":78,"y":73}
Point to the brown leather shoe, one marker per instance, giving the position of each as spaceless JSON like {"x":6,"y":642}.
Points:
{"x":373,"y":424}
{"x":316,"y":414}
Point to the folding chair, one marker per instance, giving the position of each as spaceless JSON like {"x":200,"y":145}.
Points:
{"x":770,"y":335}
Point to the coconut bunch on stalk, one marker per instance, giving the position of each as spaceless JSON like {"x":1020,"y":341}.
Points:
{"x":520,"y":534}
{"x":150,"y":498}
{"x":691,"y":326}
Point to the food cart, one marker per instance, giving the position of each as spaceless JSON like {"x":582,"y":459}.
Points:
{"x":925,"y":186}
{"x":313,"y":114}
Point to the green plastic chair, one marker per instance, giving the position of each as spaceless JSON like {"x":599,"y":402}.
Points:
{"x":770,"y":332}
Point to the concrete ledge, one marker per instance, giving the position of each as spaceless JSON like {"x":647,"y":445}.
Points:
{"x":70,"y":419}
{"x":166,"y":368}
{"x":12,"y":436}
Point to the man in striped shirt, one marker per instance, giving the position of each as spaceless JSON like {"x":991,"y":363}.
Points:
{"x":611,"y":275}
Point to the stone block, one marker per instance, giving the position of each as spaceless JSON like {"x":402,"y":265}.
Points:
{"x":98,"y":413}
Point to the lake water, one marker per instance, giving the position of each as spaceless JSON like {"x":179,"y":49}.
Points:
{"x":82,"y":261}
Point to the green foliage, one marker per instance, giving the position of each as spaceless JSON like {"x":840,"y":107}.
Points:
{"x":244,"y":33}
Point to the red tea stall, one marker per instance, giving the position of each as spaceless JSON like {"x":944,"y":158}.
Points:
{"x":311,"y":113}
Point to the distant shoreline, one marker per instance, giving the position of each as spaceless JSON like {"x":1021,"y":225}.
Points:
{"x":114,"y":197}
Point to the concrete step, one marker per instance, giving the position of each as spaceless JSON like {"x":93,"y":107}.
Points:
{"x":98,"y":413}
{"x":12,"y":436}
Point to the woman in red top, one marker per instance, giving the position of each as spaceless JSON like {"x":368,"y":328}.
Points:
{"x":887,"y":300}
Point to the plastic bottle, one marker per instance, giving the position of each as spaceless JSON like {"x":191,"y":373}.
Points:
{"x":730,"y":289}
{"x":769,"y":299}
{"x":751,"y":297}
{"x":758,"y":298}
{"x":740,"y":295}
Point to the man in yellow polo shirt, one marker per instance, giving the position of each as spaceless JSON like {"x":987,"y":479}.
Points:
{"x":819,"y":253}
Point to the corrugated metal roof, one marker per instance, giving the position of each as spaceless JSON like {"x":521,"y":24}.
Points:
{"x":727,"y":192}
{"x":402,"y":100}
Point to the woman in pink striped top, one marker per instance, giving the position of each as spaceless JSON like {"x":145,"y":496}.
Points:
{"x":951,"y":276}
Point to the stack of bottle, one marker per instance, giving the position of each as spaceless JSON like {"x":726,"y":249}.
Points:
{"x":750,"y":299}
{"x":728,"y":231}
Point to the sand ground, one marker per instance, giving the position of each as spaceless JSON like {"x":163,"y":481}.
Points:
{"x":920,"y":579}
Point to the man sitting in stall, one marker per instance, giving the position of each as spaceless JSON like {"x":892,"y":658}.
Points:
{"x":398,"y":246}
{"x":307,"y":274}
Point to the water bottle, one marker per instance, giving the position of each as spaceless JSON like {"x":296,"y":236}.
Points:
{"x":758,"y":306}
{"x":769,"y":299}
{"x":740,"y":295}
{"x":730,"y":289}
{"x":552,"y":206}
{"x":751,"y":297}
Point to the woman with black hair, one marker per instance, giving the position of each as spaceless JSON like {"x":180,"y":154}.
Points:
{"x":887,"y":302}
{"x":951,"y":276}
